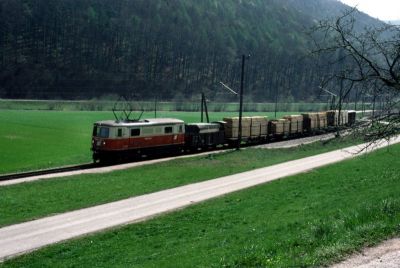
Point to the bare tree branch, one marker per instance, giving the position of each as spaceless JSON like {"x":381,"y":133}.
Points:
{"x":366,"y":58}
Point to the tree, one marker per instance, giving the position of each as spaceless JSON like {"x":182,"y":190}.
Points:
{"x":366,"y":60}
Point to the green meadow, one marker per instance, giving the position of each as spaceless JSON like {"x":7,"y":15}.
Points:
{"x":308,"y":220}
{"x":32,"y":139}
{"x":311,"y":219}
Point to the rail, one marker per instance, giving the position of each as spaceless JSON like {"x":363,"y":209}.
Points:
{"x":27,"y":174}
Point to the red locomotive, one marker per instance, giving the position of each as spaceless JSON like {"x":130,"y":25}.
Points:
{"x":113,"y":140}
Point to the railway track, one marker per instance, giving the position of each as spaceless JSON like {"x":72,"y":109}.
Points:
{"x":27,"y":174}
{"x":88,"y":166}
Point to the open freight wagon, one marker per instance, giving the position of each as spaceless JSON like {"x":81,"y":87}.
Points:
{"x":254,"y":129}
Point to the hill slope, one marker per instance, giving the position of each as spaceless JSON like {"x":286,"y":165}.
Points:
{"x":170,"y":48}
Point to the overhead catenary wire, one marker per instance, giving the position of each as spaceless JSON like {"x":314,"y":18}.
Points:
{"x":231,"y":90}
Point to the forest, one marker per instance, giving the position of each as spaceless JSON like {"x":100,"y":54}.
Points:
{"x":165,"y":49}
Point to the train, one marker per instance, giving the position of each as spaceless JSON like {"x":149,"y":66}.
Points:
{"x":117,"y":140}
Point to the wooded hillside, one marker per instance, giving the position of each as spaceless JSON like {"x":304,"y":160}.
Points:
{"x":170,"y":48}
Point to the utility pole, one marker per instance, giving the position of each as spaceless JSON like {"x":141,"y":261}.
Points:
{"x":276,"y":101}
{"x":155,"y":106}
{"x":239,"y":141}
{"x":356,"y":99}
{"x":202,"y":100}
{"x":204,"y":108}
{"x":241,"y":104}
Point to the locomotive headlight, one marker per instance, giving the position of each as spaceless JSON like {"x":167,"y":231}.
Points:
{"x":104,"y":143}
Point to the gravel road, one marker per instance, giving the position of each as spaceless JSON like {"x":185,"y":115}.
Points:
{"x":21,"y":238}
{"x":385,"y":255}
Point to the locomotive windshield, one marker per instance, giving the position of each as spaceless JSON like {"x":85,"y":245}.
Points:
{"x":102,"y":132}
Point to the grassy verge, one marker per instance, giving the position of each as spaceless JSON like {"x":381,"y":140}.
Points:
{"x":310,"y":219}
{"x":37,"y":199}
{"x":31,"y":140}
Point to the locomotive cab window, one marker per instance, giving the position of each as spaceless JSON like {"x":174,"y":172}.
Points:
{"x":180,"y":129}
{"x":104,"y":132}
{"x":135,"y":132}
{"x":167,"y":130}
{"x":119,"y":132}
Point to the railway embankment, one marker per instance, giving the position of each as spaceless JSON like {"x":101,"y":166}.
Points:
{"x":93,"y":169}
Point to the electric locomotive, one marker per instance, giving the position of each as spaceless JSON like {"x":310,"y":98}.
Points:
{"x":116,"y":140}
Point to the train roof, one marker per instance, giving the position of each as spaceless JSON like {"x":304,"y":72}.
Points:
{"x":205,"y":125}
{"x":146,"y":122}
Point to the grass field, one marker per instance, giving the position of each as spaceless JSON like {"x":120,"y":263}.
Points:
{"x":31,"y":140}
{"x":33,"y":200}
{"x":310,"y":219}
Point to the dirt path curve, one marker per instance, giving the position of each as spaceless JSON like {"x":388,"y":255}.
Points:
{"x":21,"y":238}
{"x":385,"y":255}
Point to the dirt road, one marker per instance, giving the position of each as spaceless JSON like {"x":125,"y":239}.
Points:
{"x":385,"y":255}
{"x":25,"y":237}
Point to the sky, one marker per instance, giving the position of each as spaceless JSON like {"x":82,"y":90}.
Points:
{"x":382,"y":9}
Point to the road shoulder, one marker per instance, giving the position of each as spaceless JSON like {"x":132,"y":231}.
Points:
{"x":386,"y":254}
